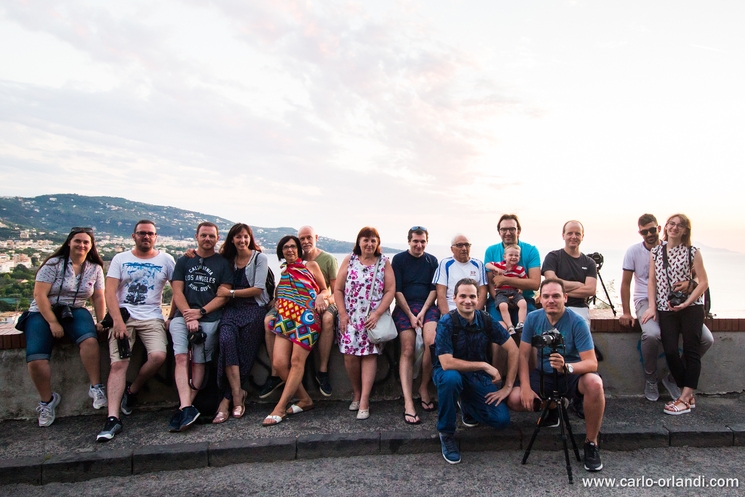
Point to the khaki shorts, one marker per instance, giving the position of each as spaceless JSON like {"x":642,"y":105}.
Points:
{"x":152,"y":332}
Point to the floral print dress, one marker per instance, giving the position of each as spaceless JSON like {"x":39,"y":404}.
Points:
{"x":359,"y":288}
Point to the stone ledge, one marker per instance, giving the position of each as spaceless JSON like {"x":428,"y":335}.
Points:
{"x":87,"y":465}
{"x":407,"y":442}
{"x":338,"y":445}
{"x":21,"y":470}
{"x":702,"y":436}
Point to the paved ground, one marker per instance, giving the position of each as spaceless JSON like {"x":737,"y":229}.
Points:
{"x":68,"y":450}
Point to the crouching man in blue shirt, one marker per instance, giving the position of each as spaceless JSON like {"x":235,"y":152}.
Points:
{"x":577,"y":366}
{"x":461,"y":368}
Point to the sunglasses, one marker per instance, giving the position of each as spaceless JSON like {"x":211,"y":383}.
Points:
{"x":78,"y":229}
{"x":649,"y":231}
{"x":418,"y":228}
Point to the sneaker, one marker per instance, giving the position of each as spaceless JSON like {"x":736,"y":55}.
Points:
{"x":324,"y":383}
{"x":98,"y":394}
{"x":592,"y":457}
{"x":110,"y":429}
{"x":670,"y":385}
{"x":450,"y":450}
{"x":272,"y":383}
{"x":175,"y":424}
{"x":129,"y":400}
{"x":190,"y":414}
{"x":651,"y":392}
{"x":468,"y":420}
{"x":47,"y":411}
{"x":552,"y":418}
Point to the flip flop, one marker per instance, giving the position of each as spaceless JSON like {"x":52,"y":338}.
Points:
{"x":413,"y":416}
{"x":296,"y":409}
{"x":273,"y":420}
{"x":428,"y":406}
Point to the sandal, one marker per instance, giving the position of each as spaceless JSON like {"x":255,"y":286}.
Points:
{"x":272,"y":420}
{"x":297,"y":409}
{"x":221,"y":417}
{"x":692,"y":402}
{"x":414,"y":419}
{"x":428,"y":406}
{"x":680,"y":406}
{"x":240,"y":410}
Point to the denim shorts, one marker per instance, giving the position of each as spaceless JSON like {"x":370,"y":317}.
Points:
{"x":39,"y":339}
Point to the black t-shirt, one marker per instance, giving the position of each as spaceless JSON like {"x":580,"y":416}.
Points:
{"x":569,"y":268}
{"x":202,"y":277}
{"x":414,"y":275}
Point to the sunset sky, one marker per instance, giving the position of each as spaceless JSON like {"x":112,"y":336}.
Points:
{"x":388,"y":113}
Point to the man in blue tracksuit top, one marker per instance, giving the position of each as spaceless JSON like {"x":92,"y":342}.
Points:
{"x":461,"y":368}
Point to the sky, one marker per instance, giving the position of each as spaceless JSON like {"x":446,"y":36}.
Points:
{"x":342,"y":114}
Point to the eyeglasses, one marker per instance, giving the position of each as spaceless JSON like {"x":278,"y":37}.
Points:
{"x":508,"y":230}
{"x":290,"y":247}
{"x":78,"y":229}
{"x":418,"y":228}
{"x":676,"y":225}
{"x":649,"y":231}
{"x":145,"y":233}
{"x":462,"y":245}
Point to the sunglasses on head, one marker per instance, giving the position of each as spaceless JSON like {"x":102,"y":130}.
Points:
{"x":418,"y":228}
{"x":78,"y":229}
{"x":649,"y":231}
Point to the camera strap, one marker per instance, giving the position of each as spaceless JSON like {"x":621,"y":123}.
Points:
{"x":190,"y":365}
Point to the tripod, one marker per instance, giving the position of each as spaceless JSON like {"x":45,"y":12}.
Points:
{"x":598,"y":258}
{"x":565,"y":426}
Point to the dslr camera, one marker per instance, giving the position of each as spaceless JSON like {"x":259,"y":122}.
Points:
{"x":197,"y":337}
{"x":676,"y":298}
{"x":63,"y":313}
{"x":552,"y":339}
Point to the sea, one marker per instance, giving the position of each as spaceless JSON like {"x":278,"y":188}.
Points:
{"x":725,"y":270}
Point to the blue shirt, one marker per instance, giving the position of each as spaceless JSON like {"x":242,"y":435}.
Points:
{"x":573,"y":328}
{"x":529,"y":258}
{"x":473,"y":342}
{"x":414,"y":275}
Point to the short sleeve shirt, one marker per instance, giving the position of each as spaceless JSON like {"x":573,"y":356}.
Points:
{"x":472,"y":342}
{"x":66,"y":286}
{"x":529,"y":258}
{"x":636,"y":260}
{"x":570,"y":268}
{"x":573,"y":328}
{"x":450,"y":272}
{"x":202,"y":277}
{"x":414,"y":275}
{"x":329,"y":267}
{"x":141,"y":282}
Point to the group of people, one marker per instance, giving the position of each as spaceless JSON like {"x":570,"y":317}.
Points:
{"x":468,"y":313}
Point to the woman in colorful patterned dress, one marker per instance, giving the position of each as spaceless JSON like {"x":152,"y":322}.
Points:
{"x":366,"y":293}
{"x":300,"y":293}
{"x":679,"y":306}
{"x":242,"y":323}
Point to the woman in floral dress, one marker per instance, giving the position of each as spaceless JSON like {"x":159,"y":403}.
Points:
{"x":366,"y":294}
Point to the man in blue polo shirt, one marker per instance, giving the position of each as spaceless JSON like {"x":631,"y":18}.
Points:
{"x":461,"y":368}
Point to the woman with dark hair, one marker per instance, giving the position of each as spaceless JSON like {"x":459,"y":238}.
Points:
{"x":676,"y":284}
{"x":241,"y":326}
{"x":300,"y":295}
{"x":69,"y":277}
{"x":365,"y":285}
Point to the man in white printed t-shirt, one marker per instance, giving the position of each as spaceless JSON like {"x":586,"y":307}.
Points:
{"x":453,"y":269}
{"x":135,"y":281}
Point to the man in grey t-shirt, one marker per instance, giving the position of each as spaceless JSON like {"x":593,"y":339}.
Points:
{"x":135,"y":281}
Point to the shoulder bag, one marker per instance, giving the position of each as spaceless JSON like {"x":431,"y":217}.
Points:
{"x":385,"y":329}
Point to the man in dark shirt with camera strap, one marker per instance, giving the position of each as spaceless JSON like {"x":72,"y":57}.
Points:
{"x":577,"y":366}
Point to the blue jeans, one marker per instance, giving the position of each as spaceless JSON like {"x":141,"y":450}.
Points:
{"x":471,"y":388}
{"x":39,"y":338}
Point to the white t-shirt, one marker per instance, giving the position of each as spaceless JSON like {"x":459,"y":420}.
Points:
{"x":449,"y":272}
{"x":637,"y":260}
{"x":141,"y":282}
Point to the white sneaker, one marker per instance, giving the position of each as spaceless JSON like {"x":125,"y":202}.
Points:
{"x":47,"y":412}
{"x":98,"y":394}
{"x":651,"y":392}
{"x":671,"y":386}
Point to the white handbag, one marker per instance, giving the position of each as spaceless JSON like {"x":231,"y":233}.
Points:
{"x":385,"y":328}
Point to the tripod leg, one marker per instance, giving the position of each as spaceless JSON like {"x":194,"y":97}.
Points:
{"x":535,"y":432}
{"x":607,"y":295}
{"x":565,"y":417}
{"x":562,"y":421}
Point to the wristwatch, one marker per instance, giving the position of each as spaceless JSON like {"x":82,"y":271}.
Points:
{"x":232,"y":293}
{"x":202,"y":311}
{"x":570,"y":368}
